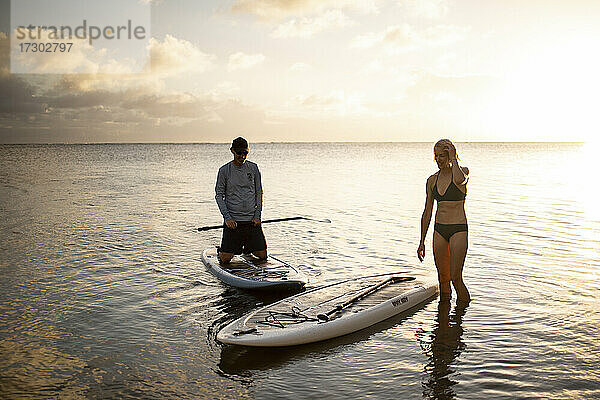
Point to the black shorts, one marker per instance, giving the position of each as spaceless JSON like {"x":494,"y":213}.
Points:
{"x":244,"y":239}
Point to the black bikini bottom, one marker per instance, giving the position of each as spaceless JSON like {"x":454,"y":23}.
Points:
{"x":447,"y":230}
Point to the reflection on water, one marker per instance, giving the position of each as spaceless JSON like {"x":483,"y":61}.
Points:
{"x":103,"y":292}
{"x":443,"y":346}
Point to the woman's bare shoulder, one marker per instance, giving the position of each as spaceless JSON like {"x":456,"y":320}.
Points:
{"x":430,"y":181}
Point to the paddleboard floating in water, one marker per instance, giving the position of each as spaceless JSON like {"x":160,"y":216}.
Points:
{"x":330,"y":311}
{"x":248,"y":272}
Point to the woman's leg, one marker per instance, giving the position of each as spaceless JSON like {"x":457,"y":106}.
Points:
{"x":458,"y":252}
{"x":441,"y":255}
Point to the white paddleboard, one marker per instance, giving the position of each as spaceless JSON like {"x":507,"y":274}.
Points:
{"x":327,"y":312}
{"x":248,"y":272}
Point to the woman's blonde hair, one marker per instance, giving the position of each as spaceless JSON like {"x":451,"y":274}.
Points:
{"x":443,"y":143}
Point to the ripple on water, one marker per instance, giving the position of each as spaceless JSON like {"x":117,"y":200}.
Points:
{"x":104,"y":293}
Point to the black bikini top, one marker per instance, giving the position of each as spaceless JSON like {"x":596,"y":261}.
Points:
{"x":453,"y":193}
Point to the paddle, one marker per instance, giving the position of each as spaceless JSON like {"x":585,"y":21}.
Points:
{"x":364,"y":293}
{"x":327,"y":221}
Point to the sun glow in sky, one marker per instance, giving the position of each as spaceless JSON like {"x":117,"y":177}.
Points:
{"x":554,"y":92}
{"x":326,"y":70}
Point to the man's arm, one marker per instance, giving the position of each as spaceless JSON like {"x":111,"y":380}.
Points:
{"x":259,"y":194}
{"x":220,"y":188}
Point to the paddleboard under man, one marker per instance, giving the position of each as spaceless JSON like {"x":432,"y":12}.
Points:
{"x":238,"y":193}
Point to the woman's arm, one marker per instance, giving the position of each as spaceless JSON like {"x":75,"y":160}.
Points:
{"x":426,"y":218}
{"x":460,"y":175}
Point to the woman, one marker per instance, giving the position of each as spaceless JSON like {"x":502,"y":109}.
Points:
{"x":448,"y":187}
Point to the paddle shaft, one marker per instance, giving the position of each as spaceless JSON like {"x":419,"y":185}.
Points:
{"x":206,"y":228}
{"x":364,"y":293}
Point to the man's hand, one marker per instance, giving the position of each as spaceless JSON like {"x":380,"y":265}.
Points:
{"x":256,"y":221}
{"x":231,"y":224}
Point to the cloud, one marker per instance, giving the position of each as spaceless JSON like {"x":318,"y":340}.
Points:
{"x":81,"y":57}
{"x":85,"y":99}
{"x":336,"y":102}
{"x":442,"y":35}
{"x":401,"y":75}
{"x":452,"y":90}
{"x":128,"y":115}
{"x":241,"y":60}
{"x":225,"y":90}
{"x":277,"y":9}
{"x":174,"y":56}
{"x":182,"y":105}
{"x":300,"y":67}
{"x":308,"y":27}
{"x":427,"y":9}
{"x":170,"y":56}
{"x":403,"y":38}
{"x":140,"y":100}
{"x":397,"y":36}
{"x":123,"y":107}
{"x":167,"y":57}
{"x":18,"y":96}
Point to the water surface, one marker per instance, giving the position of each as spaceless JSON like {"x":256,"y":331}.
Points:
{"x":103,"y":293}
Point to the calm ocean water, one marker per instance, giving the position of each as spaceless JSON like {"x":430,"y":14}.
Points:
{"x":103,"y":293}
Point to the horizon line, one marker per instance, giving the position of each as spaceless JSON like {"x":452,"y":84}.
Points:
{"x":296,"y":142}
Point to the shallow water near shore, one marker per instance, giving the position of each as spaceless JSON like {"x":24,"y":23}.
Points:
{"x":103,"y":293}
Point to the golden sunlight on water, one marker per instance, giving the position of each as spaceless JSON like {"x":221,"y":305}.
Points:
{"x":105,"y":295}
{"x":578,"y":172}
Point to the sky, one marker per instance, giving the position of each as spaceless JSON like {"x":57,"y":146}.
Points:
{"x":316,"y":70}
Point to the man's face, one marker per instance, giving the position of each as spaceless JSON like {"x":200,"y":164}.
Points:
{"x":239,"y":155}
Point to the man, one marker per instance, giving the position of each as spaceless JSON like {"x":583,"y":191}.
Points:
{"x":238,"y":193}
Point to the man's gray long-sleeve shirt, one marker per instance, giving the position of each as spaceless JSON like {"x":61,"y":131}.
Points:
{"x":238,"y":191}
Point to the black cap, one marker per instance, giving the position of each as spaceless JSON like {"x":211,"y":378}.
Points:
{"x":239,"y":143}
